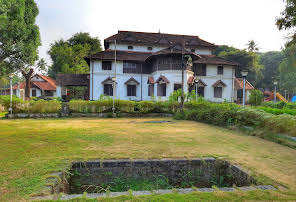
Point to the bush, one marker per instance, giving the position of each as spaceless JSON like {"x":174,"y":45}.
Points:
{"x":2,"y":109}
{"x":256,"y":97}
{"x":277,"y":105}
{"x":290,"y":105}
{"x":5,"y":101}
{"x":99,"y":106}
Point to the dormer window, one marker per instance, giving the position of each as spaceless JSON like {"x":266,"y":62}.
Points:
{"x":193,"y":50}
{"x":149,"y":48}
{"x":130,"y":47}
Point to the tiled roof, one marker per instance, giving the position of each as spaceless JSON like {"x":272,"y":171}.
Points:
{"x":47,"y":84}
{"x":132,"y":80}
{"x":48,"y":79}
{"x":219,"y":83}
{"x":239,"y":84}
{"x":72,"y":79}
{"x":43,"y":85}
{"x":213,"y":59}
{"x":162,"y":78}
{"x":120,"y":55}
{"x":160,"y":39}
{"x":150,"y":80}
{"x":199,"y":82}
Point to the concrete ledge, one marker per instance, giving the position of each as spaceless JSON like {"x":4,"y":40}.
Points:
{"x":23,"y":115}
{"x":166,"y":191}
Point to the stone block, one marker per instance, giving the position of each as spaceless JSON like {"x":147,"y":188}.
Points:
{"x":227,"y":189}
{"x":205,"y":189}
{"x":249,"y":188}
{"x":265,"y":187}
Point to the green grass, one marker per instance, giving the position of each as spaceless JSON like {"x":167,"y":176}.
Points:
{"x":31,"y":149}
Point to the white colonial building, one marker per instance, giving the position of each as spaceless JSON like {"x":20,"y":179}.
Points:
{"x":150,"y":64}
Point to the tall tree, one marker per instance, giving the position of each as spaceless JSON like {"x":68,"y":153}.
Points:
{"x":287,"y":70}
{"x":271,"y":62}
{"x":287,"y":20}
{"x":67,"y":56}
{"x":247,"y":60}
{"x":19,"y":37}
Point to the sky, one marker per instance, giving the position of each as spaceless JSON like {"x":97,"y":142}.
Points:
{"x":223,"y":22}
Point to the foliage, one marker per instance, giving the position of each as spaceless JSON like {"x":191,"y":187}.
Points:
{"x":68,"y":56}
{"x":247,"y":60}
{"x":100,"y":106}
{"x":32,"y":106}
{"x":2,"y":109}
{"x":287,"y":20}
{"x":278,"y":105}
{"x":287,"y":70}
{"x":19,"y":35}
{"x":256,"y":97}
{"x":271,"y":62}
{"x":278,"y":111}
{"x":217,"y":114}
{"x":252,"y":46}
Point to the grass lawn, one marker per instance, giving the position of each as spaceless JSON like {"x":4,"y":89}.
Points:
{"x":32,"y":149}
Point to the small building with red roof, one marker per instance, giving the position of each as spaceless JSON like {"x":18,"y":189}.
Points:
{"x":41,"y":86}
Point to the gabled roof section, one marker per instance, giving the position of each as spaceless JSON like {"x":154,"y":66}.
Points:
{"x":219,"y":83}
{"x":176,"y":49}
{"x":213,"y":59}
{"x":162,"y":79}
{"x":239,"y":84}
{"x":108,"y":80}
{"x":131,"y":80}
{"x":150,"y":80}
{"x":199,"y":82}
{"x":147,"y":38}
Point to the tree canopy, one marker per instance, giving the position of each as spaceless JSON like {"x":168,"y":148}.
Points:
{"x":67,"y":56}
{"x":19,"y":35}
{"x":287,"y":20}
{"x":247,"y":60}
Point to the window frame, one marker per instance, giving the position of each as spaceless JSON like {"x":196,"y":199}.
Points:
{"x":220,"y":70}
{"x":149,"y":48}
{"x":151,"y":90}
{"x":104,"y":63}
{"x":110,"y":92}
{"x":161,"y":90}
{"x":35,"y":92}
{"x":215,"y":93}
{"x":175,"y":86}
{"x":132,"y":92}
{"x":130,"y":47}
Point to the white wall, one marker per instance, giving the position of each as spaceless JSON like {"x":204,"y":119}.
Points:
{"x":143,"y":48}
{"x":211,"y":77}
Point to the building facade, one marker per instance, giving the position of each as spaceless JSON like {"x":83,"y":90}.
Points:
{"x":149,"y":65}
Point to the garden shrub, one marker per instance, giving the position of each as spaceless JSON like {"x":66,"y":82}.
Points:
{"x":277,"y":105}
{"x":5,"y":101}
{"x":145,"y":106}
{"x":256,"y":97}
{"x":2,"y":109}
{"x":290,"y":105}
{"x":99,"y":106}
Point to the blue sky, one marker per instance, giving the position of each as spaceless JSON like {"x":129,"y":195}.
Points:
{"x":230,"y":22}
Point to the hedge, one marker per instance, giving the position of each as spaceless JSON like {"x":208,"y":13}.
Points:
{"x":32,"y":106}
{"x":225,"y":114}
{"x":101,"y":106}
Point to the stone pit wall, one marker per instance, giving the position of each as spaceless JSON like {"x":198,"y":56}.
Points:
{"x":204,"y":172}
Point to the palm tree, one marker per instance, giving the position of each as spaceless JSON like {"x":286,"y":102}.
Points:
{"x":252,"y":46}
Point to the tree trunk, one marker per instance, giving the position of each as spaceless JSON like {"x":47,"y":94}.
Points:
{"x":28,"y":77}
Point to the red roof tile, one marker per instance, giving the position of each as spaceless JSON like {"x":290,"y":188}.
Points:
{"x":162,"y":78}
{"x":43,"y":85}
{"x":219,"y":83}
{"x":120,"y":55}
{"x":150,"y":80}
{"x":239,"y":84}
{"x":213,"y":59}
{"x":161,"y":39}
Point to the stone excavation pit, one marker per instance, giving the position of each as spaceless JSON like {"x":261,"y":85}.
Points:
{"x":140,"y":175}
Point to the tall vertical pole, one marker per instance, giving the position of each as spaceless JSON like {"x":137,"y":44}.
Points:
{"x":196,"y":91}
{"x":10,"y":106}
{"x":114,"y":81}
{"x":244,"y":92}
{"x":182,"y":97}
{"x":274,"y":93}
